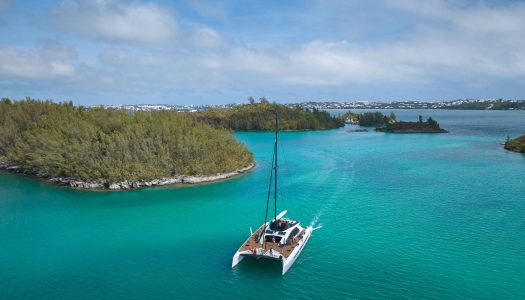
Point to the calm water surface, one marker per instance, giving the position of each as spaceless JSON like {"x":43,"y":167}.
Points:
{"x":400,"y":216}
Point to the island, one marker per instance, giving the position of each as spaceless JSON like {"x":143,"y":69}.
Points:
{"x":430,"y":126}
{"x":261,"y":117}
{"x":515,"y":145}
{"x":388,"y":123}
{"x":368,"y":118}
{"x":112,"y":148}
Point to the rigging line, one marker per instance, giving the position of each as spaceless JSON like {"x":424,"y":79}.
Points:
{"x":269,"y":188}
{"x":275,"y":166}
{"x":268,"y":198}
{"x":269,"y":193}
{"x":279,"y":185}
{"x":263,"y":212}
{"x":288,"y":170}
{"x":294,"y":191}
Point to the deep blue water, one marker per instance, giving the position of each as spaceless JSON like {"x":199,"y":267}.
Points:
{"x":414,"y":216}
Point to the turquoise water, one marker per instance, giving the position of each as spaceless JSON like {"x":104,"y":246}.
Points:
{"x":401,"y":216}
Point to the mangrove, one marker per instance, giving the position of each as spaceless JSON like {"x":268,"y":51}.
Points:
{"x":430,"y":126}
{"x":515,"y":145}
{"x":60,"y":140}
{"x":261,"y":117}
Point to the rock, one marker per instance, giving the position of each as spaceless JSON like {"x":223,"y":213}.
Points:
{"x":14,"y":168}
{"x":76,"y":183}
{"x":125,"y":184}
{"x":93,"y":185}
{"x":114,"y":186}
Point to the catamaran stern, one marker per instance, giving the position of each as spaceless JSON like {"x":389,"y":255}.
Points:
{"x":288,"y":262}
{"x":237,"y":259}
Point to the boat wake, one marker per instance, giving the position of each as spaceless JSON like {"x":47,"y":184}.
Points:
{"x":316,"y":219}
{"x":337,"y":194}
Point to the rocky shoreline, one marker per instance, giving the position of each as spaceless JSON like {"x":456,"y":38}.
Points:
{"x":413,"y":131}
{"x":124,"y":185}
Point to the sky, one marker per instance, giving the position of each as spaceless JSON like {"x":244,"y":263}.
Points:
{"x":224,"y":51}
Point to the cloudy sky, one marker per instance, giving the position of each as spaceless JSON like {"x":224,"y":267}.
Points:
{"x":222,"y":51}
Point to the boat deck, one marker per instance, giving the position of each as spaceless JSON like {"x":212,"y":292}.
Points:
{"x":276,"y":249}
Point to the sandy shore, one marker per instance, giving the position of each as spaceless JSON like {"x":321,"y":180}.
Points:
{"x":100,"y":184}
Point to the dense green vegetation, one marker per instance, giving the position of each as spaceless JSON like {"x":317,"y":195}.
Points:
{"x":375,"y":119}
{"x":430,"y":126}
{"x":261,"y":116}
{"x":62,"y":140}
{"x":493,"y":105}
{"x":349,"y":115}
{"x":516,"y":145}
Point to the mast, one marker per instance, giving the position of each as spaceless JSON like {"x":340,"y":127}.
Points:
{"x":275,"y":170}
{"x":272,"y":174}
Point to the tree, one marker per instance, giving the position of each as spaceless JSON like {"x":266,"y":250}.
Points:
{"x":432,"y":123}
{"x":262,"y":117}
{"x":375,"y":119}
{"x":516,"y":145}
{"x":263,"y":100}
{"x":60,"y":140}
{"x":392,"y":116}
{"x":251,"y":100}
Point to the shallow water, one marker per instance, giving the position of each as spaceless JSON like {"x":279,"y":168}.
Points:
{"x":401,"y":216}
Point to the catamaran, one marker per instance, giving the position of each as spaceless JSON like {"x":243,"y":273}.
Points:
{"x":281,"y":238}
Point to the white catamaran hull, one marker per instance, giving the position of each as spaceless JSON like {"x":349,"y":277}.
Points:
{"x":237,"y":259}
{"x":288,"y":262}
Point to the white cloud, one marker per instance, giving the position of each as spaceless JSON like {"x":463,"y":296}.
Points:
{"x":471,"y":45}
{"x":152,"y":72}
{"x":427,"y":56}
{"x":466,"y":44}
{"x":53,"y":51}
{"x":61,"y":69}
{"x":476,"y":19}
{"x":206,"y":38}
{"x":479,"y":39}
{"x":115,"y":56}
{"x":118,"y":21}
{"x":47,"y":63}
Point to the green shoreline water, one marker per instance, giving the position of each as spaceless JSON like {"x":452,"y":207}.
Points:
{"x":130,"y":185}
{"x":400,"y":216}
